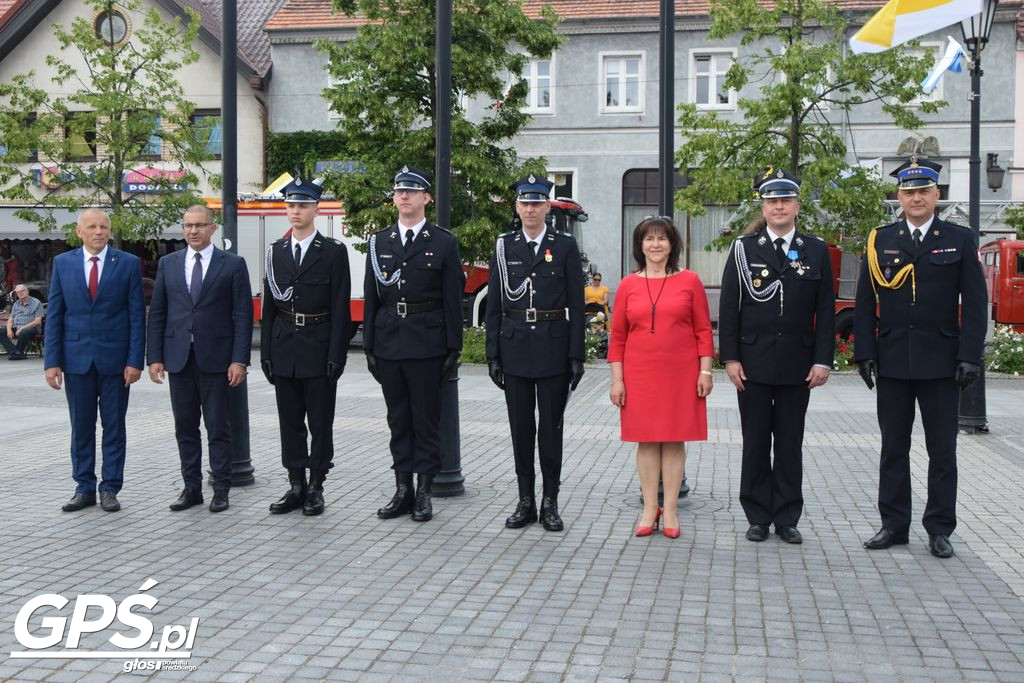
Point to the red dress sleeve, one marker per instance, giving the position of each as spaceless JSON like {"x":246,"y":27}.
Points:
{"x":701,"y":318}
{"x":620,"y":324}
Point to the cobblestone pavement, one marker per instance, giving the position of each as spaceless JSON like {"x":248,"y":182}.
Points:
{"x":346,"y":596}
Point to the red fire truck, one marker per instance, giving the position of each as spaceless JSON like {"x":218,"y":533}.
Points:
{"x":1003,"y":264}
{"x":262,"y":220}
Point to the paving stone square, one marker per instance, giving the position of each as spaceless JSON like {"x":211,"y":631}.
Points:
{"x":346,"y":596}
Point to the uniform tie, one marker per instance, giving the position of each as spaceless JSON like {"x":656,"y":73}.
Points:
{"x":298,"y":254}
{"x":94,"y":277}
{"x":196,"y":284}
{"x":408,"y":238}
{"x":533,"y":247}
{"x":917,"y":238}
{"x":780,"y":251}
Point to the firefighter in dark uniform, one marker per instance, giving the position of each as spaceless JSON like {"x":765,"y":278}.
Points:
{"x":303,"y":344}
{"x":535,"y":351}
{"x":776,"y":331}
{"x":919,"y":326}
{"x":412,"y":336}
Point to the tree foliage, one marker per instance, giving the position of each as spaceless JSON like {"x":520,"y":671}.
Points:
{"x":806,"y":85}
{"x":1015,"y":219}
{"x":300,"y":150}
{"x":385,"y":85}
{"x":94,"y":121}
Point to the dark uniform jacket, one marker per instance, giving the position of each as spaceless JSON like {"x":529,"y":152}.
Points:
{"x":431,"y":273}
{"x":321,"y":286}
{"x":542,"y":348}
{"x":774,"y":348}
{"x":922,"y":339}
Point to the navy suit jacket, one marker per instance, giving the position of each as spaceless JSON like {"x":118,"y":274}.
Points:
{"x":219,"y":324}
{"x":108,"y":332}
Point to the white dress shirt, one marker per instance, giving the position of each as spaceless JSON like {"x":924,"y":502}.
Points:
{"x":304,"y":243}
{"x":88,"y":264}
{"x":415,"y":230}
{"x":190,"y":261}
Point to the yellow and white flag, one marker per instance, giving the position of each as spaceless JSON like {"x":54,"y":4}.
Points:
{"x":902,"y":20}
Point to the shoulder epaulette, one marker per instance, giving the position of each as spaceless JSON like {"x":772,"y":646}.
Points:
{"x":507,"y":234}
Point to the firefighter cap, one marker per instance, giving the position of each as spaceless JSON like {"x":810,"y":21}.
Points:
{"x":532,"y":188}
{"x":412,"y":179}
{"x":777,"y":184}
{"x":300,"y":191}
{"x":917,"y":174}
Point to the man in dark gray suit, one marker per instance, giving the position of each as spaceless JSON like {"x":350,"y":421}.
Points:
{"x":200,"y":331}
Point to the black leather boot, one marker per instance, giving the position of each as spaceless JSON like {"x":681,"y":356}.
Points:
{"x":526,"y":513}
{"x":292,"y":499}
{"x":422,"y":511}
{"x":549,"y":516}
{"x":314,"y":503}
{"x":404,"y":499}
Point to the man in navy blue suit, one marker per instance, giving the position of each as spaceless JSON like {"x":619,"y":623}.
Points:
{"x":200,"y":331}
{"x":95,"y":338}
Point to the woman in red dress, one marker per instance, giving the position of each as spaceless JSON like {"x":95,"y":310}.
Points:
{"x":660,"y":354}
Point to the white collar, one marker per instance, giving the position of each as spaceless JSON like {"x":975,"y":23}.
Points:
{"x":206,"y":253}
{"x":102,"y":255}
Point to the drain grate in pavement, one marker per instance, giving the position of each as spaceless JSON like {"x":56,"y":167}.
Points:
{"x":689,"y":503}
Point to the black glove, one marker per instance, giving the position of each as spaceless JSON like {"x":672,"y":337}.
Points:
{"x":451,"y":364}
{"x":575,"y":373}
{"x":371,"y":365}
{"x":268,"y":370}
{"x":334,"y":370}
{"x":966,"y":374}
{"x":496,"y":373}
{"x":868,"y":369}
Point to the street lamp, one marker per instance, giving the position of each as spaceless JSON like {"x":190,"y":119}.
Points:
{"x":994,"y":172}
{"x":976,"y":31}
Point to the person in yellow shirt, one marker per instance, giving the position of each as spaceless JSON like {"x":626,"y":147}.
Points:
{"x":597,"y":293}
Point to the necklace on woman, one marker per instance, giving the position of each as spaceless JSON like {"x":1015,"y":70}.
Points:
{"x":653,"y":300}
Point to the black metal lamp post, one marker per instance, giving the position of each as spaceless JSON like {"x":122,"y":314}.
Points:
{"x":976,"y":30}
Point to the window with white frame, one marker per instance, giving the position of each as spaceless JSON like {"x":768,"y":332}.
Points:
{"x":708,"y":69}
{"x":539,"y":75}
{"x":622,"y":85}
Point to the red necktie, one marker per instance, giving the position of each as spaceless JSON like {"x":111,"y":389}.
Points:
{"x":94,"y":277}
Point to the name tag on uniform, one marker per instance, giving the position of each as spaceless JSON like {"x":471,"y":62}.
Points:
{"x":950,"y":250}
{"x":758,"y":265}
{"x":385,"y":256}
{"x":515,"y":263}
{"x":890,"y":251}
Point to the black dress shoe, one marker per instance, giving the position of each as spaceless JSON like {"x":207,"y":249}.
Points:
{"x":789,"y":534}
{"x":526,"y":513}
{"x":885,"y":538}
{"x":549,"y":516}
{"x":939,"y":545}
{"x":79,"y":501}
{"x":293,"y":497}
{"x":219,"y":502}
{"x":108,"y":501}
{"x":757,"y":532}
{"x":189,"y":497}
{"x":423,"y":508}
{"x":403,"y":501}
{"x":314,"y":503}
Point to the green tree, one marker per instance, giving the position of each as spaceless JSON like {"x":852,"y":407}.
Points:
{"x":1014,"y":218}
{"x":117,"y":106}
{"x":385,"y":93}
{"x":807,"y":82}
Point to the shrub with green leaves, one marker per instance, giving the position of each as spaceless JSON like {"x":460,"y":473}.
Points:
{"x":1005,"y":351}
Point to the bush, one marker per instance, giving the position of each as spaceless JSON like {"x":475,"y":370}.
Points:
{"x":1005,"y":351}
{"x":843,"y":358}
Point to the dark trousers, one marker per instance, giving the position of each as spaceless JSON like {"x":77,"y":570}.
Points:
{"x":194,"y":392}
{"x":17,"y":347}
{"x":300,"y":399}
{"x":412,"y":392}
{"x":938,"y":400}
{"x":772,"y":414}
{"x":549,"y":396}
{"x":86,"y":393}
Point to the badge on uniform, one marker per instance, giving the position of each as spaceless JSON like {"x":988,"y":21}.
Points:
{"x":757,"y":282}
{"x":764,"y":273}
{"x":547,"y":255}
{"x":799,"y":241}
{"x":792,"y":255}
{"x":762,"y":240}
{"x":888,"y":273}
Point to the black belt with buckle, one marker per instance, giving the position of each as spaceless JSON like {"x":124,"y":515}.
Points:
{"x":303,"y":319}
{"x":532,"y":315}
{"x":404,"y":308}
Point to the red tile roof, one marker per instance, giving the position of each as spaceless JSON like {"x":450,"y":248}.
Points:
{"x":315,"y":14}
{"x":6,"y":7}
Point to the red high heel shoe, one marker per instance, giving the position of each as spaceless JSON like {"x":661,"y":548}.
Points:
{"x":671,"y":533}
{"x":648,"y":530}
